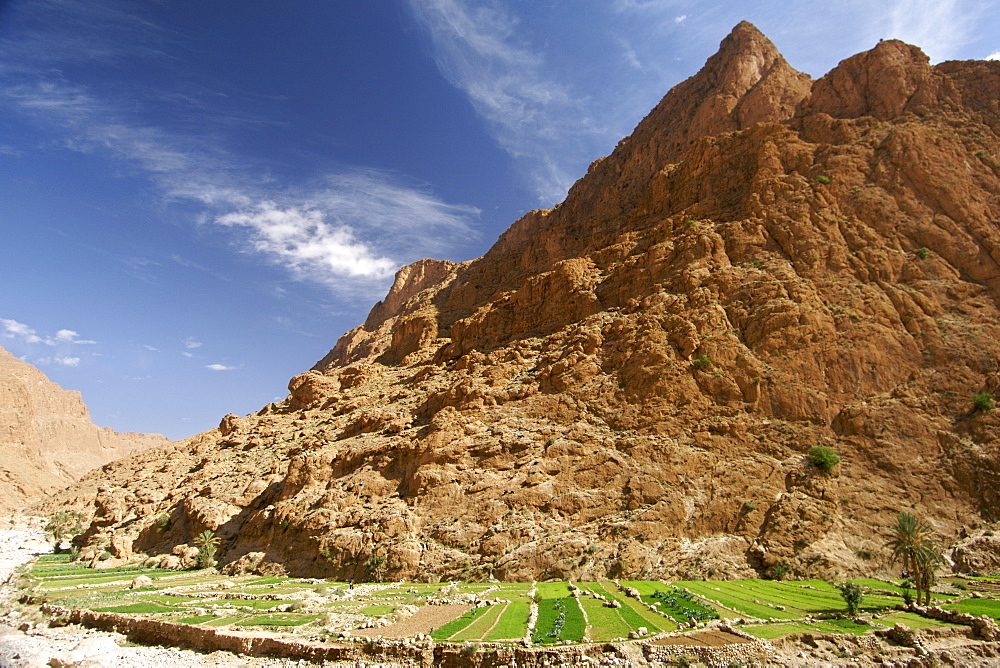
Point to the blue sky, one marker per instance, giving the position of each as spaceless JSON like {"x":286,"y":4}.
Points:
{"x":198,"y":198}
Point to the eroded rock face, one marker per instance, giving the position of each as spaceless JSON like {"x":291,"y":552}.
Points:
{"x":47,"y":437}
{"x":629,"y":384}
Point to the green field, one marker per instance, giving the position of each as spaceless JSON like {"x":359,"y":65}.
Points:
{"x":200,"y":598}
{"x":765,"y":599}
{"x":978,"y":606}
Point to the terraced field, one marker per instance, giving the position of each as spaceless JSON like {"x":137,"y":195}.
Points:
{"x":469,"y":612}
{"x":769,"y":599}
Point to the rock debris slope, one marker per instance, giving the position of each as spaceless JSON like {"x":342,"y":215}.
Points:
{"x":629,"y":384}
{"x":47,"y":437}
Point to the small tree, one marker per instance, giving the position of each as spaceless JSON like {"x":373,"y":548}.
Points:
{"x":207,"y":543}
{"x":853,"y":595}
{"x":823,"y":458}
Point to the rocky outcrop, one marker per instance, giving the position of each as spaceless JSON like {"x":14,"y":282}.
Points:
{"x":629,"y":384}
{"x":47,"y":436}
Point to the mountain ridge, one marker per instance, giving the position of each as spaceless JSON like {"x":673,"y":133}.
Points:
{"x":49,"y":437}
{"x":629,"y":384}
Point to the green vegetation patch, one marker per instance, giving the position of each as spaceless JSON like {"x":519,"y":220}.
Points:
{"x":481,"y":626}
{"x":552,"y":590}
{"x":196,"y":619}
{"x":456,"y":625}
{"x":559,"y":619}
{"x":735,"y":597}
{"x":280,"y":619}
{"x":378,"y":610}
{"x":889,"y":586}
{"x":978,"y":606}
{"x":914,"y":621}
{"x":512,"y":623}
{"x":605,"y":623}
{"x":226,"y":621}
{"x":761,"y":598}
{"x":768,"y":631}
{"x":144,"y":608}
{"x":832,"y":626}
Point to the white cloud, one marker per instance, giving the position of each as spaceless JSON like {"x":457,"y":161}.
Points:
{"x":220,"y":367}
{"x":15,"y":329}
{"x":64,"y":361}
{"x":185,"y":354}
{"x":680,"y":19}
{"x":151,"y":348}
{"x":12,"y":329}
{"x":69,"y":336}
{"x":373,"y":222}
{"x":532,"y":116}
{"x":302,"y":239}
{"x":191,"y":344}
{"x":994,"y":56}
{"x":938,"y":27}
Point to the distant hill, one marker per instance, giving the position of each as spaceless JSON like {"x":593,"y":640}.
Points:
{"x":47,"y":438}
{"x":630,"y":384}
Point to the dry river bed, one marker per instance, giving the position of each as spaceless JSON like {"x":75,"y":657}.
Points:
{"x":40,"y":646}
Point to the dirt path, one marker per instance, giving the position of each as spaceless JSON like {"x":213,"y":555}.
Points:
{"x":424,"y":620}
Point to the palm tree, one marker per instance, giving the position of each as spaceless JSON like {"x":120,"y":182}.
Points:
{"x":913,"y":544}
{"x":207,"y":543}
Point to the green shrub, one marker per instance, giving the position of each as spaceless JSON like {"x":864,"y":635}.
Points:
{"x":702,"y":362}
{"x":778,"y":571}
{"x":922,"y":252}
{"x":823,"y":458}
{"x":163,"y":523}
{"x":983,"y":401}
{"x":376,"y":568}
{"x":749,"y":506}
{"x":823,"y":179}
{"x":853,"y":595}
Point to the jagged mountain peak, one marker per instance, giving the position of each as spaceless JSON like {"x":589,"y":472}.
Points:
{"x":629,"y":384}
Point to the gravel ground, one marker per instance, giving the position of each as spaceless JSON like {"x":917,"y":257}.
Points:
{"x":21,"y":539}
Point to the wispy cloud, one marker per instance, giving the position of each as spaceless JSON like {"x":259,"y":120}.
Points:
{"x":357,"y":224}
{"x":191,"y":344}
{"x":69,"y":336}
{"x":532,"y":116}
{"x":12,"y":329}
{"x":939,"y":27}
{"x":220,"y":367}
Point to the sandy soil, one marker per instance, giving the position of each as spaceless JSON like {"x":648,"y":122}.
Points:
{"x":425,"y":620}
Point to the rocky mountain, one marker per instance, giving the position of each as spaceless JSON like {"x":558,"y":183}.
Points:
{"x":47,"y":436}
{"x":630,"y":384}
